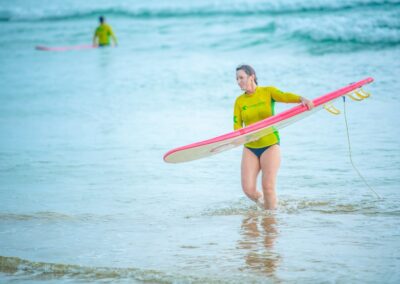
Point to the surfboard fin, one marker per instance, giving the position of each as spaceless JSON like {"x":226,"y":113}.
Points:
{"x":330,"y":108}
{"x":359,"y":95}
{"x":355,"y":97}
{"x":365,"y":93}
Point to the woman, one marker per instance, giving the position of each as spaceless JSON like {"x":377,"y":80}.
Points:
{"x":255,"y":104}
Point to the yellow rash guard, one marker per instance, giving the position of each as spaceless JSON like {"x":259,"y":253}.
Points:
{"x":103,"y":33}
{"x":251,"y":108}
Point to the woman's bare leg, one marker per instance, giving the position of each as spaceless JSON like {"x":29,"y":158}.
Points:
{"x":250,"y":169}
{"x":270,"y":161}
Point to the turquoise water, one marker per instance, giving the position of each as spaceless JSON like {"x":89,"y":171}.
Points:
{"x":86,"y":197}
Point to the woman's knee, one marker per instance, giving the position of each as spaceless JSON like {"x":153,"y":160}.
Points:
{"x":268,"y":186}
{"x":250,"y":190}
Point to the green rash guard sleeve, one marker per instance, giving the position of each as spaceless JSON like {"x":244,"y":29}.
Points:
{"x":237,"y":117}
{"x":113,"y":35}
{"x":279,"y":96}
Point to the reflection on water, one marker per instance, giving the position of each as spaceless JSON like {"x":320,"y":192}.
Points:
{"x":259,"y":232}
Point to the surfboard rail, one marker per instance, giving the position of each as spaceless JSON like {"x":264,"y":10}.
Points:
{"x":65,"y":48}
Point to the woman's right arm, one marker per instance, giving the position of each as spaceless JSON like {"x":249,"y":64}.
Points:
{"x":237,"y":117}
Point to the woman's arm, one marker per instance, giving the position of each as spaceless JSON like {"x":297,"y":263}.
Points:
{"x":284,"y":97}
{"x":237,"y":117}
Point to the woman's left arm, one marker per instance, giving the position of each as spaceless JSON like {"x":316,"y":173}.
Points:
{"x":279,"y":96}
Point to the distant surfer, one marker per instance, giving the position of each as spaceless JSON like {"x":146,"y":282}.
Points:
{"x":103,"y":33}
{"x":255,"y":104}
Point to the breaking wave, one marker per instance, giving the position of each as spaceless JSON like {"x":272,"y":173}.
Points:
{"x":213,"y":9}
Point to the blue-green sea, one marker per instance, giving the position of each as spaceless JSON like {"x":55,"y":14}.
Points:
{"x":85,"y":195}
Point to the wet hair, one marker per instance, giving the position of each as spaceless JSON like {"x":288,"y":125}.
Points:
{"x":248,"y":70}
{"x":101,"y":19}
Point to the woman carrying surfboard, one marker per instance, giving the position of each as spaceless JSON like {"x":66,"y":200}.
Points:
{"x":255,"y":104}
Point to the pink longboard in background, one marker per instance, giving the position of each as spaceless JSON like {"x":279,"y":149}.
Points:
{"x":255,"y":131}
{"x":65,"y":48}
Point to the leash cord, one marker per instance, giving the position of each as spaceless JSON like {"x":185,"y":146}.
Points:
{"x":350,"y":154}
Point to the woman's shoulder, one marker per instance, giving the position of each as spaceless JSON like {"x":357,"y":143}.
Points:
{"x":267,"y":88}
{"x":240,"y":97}
{"x":270,"y":90}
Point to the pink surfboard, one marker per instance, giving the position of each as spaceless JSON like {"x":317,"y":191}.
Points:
{"x":264,"y":127}
{"x":65,"y":48}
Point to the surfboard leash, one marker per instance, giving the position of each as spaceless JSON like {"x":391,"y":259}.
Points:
{"x":349,"y":143}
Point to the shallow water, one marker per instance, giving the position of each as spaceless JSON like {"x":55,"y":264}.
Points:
{"x":86,"y":197}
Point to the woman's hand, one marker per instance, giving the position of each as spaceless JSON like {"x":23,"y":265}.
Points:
{"x":306,"y":102}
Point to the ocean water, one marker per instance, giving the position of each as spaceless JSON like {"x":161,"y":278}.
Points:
{"x":86,"y":197}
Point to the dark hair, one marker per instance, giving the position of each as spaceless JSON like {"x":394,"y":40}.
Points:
{"x":248,"y":70}
{"x":101,"y":19}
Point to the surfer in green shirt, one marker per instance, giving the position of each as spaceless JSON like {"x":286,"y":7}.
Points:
{"x":255,"y":104}
{"x":103,"y":33}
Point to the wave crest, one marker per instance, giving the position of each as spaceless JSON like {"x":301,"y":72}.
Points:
{"x":212,"y":9}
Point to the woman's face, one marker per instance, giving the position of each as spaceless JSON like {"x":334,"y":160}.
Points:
{"x":244,"y":81}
